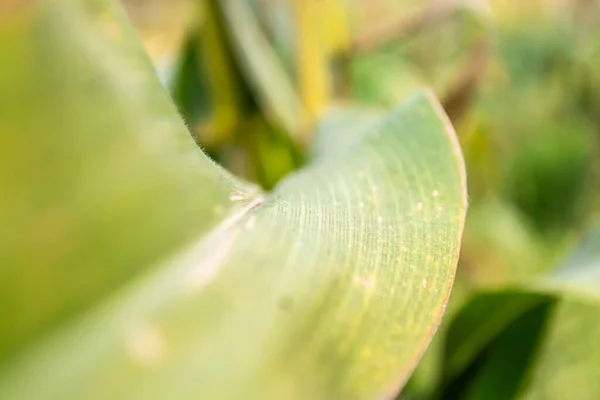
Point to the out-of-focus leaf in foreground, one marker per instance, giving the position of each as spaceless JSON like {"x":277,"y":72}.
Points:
{"x":134,"y":267}
{"x":549,"y":326}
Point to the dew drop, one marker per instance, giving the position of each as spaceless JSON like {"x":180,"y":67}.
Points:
{"x":424,"y":283}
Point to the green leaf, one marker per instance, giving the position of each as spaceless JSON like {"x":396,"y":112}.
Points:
{"x":482,"y":319}
{"x":384,"y":78}
{"x":579,"y":276}
{"x":190,"y":92}
{"x":503,"y":332}
{"x":512,"y":352}
{"x":134,"y":267}
{"x":569,"y":363}
{"x":342,"y":126}
{"x":494,"y":327}
{"x":99,"y":177}
{"x":264,"y":71}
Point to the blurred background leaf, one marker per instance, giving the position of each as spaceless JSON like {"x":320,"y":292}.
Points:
{"x":529,"y":342}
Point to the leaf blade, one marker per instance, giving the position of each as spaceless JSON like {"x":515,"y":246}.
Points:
{"x":271,"y":299}
{"x":88,"y":154}
{"x":573,"y":288}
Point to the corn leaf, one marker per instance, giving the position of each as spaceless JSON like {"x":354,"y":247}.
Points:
{"x":134,"y":267}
